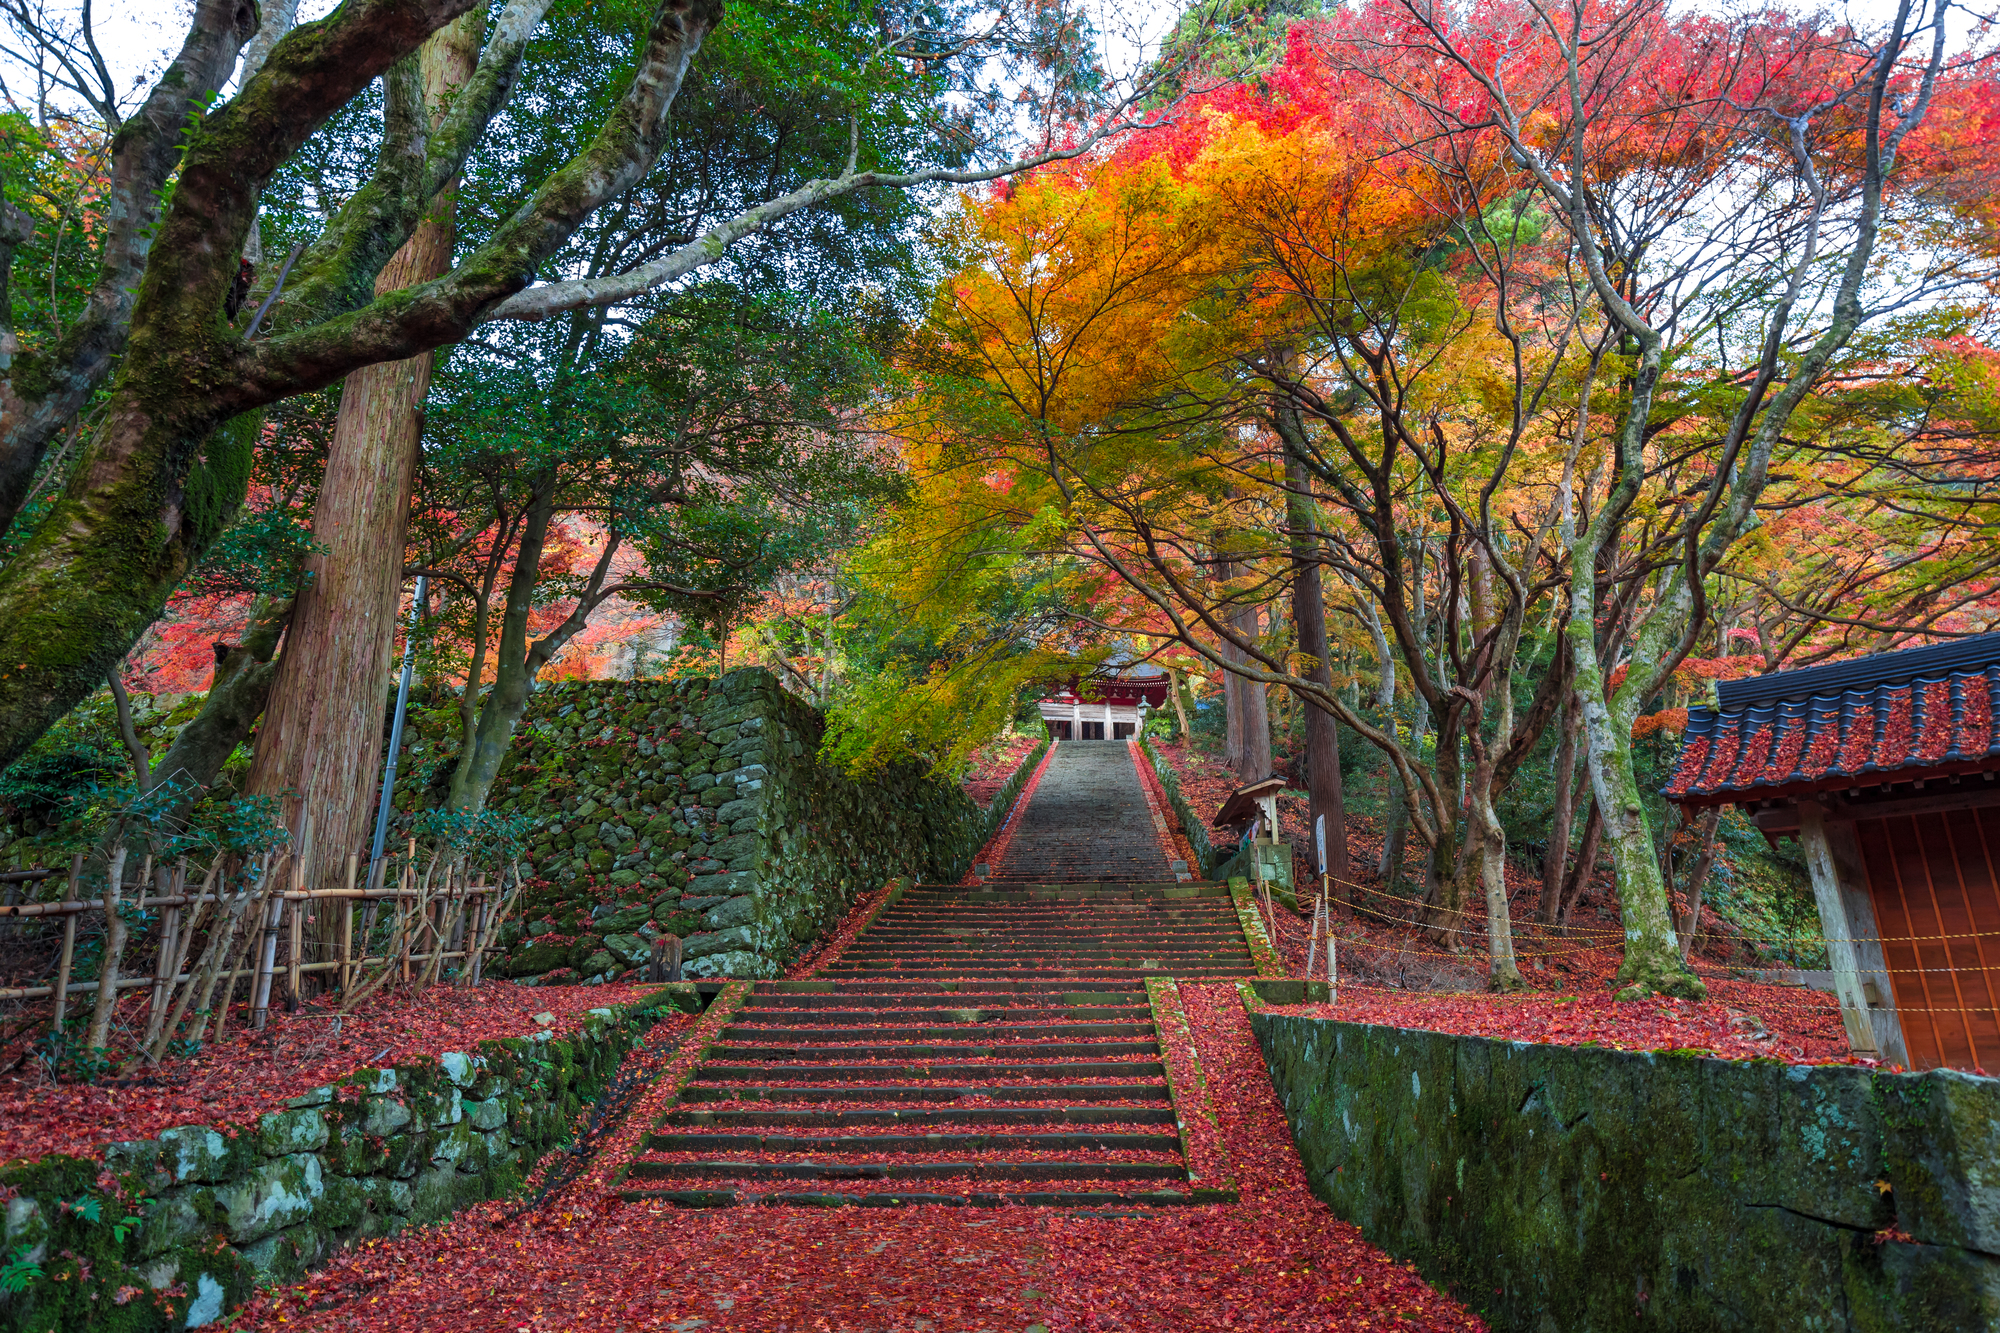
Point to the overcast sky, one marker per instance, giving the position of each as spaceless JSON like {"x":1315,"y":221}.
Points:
{"x":137,"y":35}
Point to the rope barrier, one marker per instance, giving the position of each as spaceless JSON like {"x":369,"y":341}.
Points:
{"x":1806,"y":941}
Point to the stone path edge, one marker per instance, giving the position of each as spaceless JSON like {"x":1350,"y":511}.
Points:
{"x":1203,"y":1154}
{"x":1001,"y":822}
{"x":1191,"y":826}
{"x":213,"y":1272}
{"x":687,"y":1060}
{"x":1252,"y":921}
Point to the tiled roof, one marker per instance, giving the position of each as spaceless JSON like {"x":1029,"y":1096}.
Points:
{"x":1893,"y":717}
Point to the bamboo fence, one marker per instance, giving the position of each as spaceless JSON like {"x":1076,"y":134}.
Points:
{"x":248,"y":917}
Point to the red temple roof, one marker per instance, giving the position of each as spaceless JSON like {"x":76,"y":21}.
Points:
{"x":1873,"y":721}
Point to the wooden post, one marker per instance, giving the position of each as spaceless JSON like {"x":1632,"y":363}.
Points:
{"x":347,"y":926}
{"x":68,"y":944}
{"x":164,"y":966}
{"x":1853,"y":944}
{"x":1834,"y":926}
{"x":62,"y":968}
{"x":406,"y":910}
{"x":476,"y":943}
{"x":296,"y":944}
{"x":666,"y":959}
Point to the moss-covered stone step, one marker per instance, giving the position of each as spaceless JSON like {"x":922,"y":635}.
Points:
{"x":1177,"y":927}
{"x":1087,"y":972}
{"x":1045,"y":956}
{"x":992,"y":1027}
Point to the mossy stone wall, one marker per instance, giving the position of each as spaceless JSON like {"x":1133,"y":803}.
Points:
{"x":700,"y":809}
{"x":222,"y":1208}
{"x":1560,"y":1189}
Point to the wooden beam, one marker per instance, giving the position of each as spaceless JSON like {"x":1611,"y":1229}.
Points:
{"x":1847,"y":920}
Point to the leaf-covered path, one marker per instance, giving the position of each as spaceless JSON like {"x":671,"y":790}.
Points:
{"x":1104,"y":1245}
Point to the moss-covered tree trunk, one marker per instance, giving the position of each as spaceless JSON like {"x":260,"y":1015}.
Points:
{"x":162,"y":475}
{"x":322,"y":733}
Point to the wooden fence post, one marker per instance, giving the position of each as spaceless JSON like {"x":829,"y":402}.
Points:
{"x":62,"y":969}
{"x":347,"y":926}
{"x":68,"y":944}
{"x":169,"y":951}
{"x":408,"y":928}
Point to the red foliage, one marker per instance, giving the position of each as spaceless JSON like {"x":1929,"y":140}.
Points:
{"x":1571,"y":968}
{"x":992,"y":766}
{"x":1730,"y":1026}
{"x":232,"y":1083}
{"x":1279,"y":1260}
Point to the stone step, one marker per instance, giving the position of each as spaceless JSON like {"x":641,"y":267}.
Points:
{"x":1217,"y":916}
{"x":1071,"y":1050}
{"x":647,"y":1168}
{"x":1079,"y":891}
{"x":893,"y":985}
{"x":920,"y":1116}
{"x":917,"y":1003}
{"x":702,"y":1141}
{"x":1151,"y":1090}
{"x":890,"y":1196}
{"x":1013,"y":1032}
{"x":1047,"y":955}
{"x":1064,"y":916}
{"x":1080,"y":974}
{"x":1069,"y":939}
{"x":1011,"y":1067}
{"x":861,"y":1016}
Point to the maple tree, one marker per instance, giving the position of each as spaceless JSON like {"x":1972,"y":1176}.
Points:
{"x":1352,"y":318}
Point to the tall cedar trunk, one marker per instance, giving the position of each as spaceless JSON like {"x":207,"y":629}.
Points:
{"x":1232,"y":712}
{"x":1322,"y":731}
{"x":1250,"y":713}
{"x":321,"y":743}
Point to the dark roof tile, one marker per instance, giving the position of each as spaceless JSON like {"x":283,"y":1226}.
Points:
{"x":1870,"y":718}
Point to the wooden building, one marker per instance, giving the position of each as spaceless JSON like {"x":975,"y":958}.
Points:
{"x":1887,"y":770}
{"x":1106,"y":708}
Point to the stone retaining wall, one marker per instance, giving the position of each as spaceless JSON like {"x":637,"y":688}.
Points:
{"x":1559,"y":1189}
{"x":1193,"y":826}
{"x":700,"y":809}
{"x":221,"y":1208}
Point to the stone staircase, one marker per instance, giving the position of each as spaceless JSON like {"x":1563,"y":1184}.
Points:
{"x":975,"y":1045}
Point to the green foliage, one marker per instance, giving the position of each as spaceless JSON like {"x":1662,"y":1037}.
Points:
{"x":263,"y":551}
{"x":488,"y":835}
{"x":20,"y":1271}
{"x":80,"y":752}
